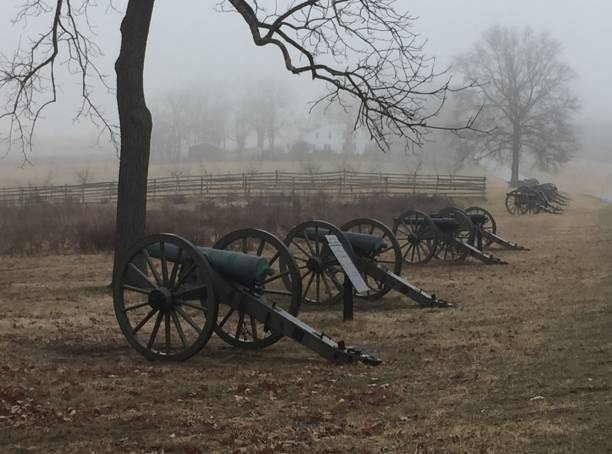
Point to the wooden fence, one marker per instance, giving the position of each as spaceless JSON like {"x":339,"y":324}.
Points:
{"x":343,"y":184}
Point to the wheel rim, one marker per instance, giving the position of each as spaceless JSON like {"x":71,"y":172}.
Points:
{"x":515,"y":204}
{"x":164,"y":300}
{"x":389,"y":257}
{"x":321,"y":275}
{"x":282,"y":288}
{"x":417,"y":237}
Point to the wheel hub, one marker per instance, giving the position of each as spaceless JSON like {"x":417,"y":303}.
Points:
{"x":315,"y":264}
{"x":161,"y":299}
{"x":413,"y":239}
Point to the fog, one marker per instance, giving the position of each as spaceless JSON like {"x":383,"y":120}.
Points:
{"x":192,"y":45}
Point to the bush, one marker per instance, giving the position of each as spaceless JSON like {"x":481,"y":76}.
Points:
{"x":70,"y":228}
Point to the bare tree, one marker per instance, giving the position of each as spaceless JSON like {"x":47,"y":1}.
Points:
{"x":363,"y":49}
{"x":525,"y":100}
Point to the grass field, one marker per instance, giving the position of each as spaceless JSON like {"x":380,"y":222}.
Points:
{"x":523,"y":364}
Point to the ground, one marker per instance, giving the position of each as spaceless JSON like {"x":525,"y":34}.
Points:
{"x":523,"y":364}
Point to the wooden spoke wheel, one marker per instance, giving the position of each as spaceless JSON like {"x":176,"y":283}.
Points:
{"x":282,"y":288}
{"x":321,"y":274}
{"x":464,"y":231}
{"x":489,"y":224}
{"x":517,"y":203}
{"x":417,"y":236}
{"x":163,"y":296}
{"x":390,"y":256}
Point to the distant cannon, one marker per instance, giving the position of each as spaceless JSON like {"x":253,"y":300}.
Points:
{"x":449,"y":235}
{"x":535,"y":198}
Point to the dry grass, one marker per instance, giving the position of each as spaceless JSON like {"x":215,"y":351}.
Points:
{"x":523,"y":365}
{"x":74,"y":228}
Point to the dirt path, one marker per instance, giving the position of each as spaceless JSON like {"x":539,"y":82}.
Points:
{"x":523,"y":365}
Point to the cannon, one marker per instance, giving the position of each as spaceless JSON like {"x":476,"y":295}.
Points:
{"x":373,"y":249}
{"x":534,"y":198}
{"x":448,"y":235}
{"x":170,"y":296}
{"x":486,"y":230}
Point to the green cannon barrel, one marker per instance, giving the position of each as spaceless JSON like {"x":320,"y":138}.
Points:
{"x":362,"y":243}
{"x":244,"y":269}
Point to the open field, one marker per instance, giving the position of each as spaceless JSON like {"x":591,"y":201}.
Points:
{"x":524,"y":364}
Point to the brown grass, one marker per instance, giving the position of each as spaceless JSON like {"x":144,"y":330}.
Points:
{"x":75,"y":228}
{"x":522,"y":365}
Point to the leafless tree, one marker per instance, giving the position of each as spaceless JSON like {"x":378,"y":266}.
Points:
{"x":361,"y":49}
{"x":525,"y":99}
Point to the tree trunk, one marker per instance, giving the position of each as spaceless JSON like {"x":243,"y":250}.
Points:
{"x":136,"y":125}
{"x":516,"y":156}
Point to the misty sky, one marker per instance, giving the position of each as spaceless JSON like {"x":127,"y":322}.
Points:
{"x":192,"y":43}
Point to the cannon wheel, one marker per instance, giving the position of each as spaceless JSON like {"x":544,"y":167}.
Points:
{"x":465,"y":233}
{"x":319,"y":270}
{"x":166,"y":308}
{"x":417,"y":236}
{"x":517,"y":203}
{"x":283,"y":288}
{"x":489,"y":225}
{"x":390,"y":257}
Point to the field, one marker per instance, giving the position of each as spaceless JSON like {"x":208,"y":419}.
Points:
{"x":523,"y":364}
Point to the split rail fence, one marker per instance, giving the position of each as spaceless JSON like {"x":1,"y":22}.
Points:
{"x":341,"y":184}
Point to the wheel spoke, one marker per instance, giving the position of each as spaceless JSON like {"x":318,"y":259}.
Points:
{"x":188,"y":319}
{"x":144,"y":276}
{"x":334,"y":279}
{"x":193,"y":306}
{"x":155,"y":330}
{"x":260,"y":248}
{"x":132,"y":288}
{"x":179,"y":329}
{"x":164,"y":263}
{"x":274,"y":258}
{"x":240,"y":325}
{"x":135,"y":306}
{"x":185,"y":276}
{"x":226,"y":318}
{"x":327,"y":288}
{"x":309,"y":284}
{"x":147,"y":257}
{"x":175,"y":268}
{"x":167,"y":329}
{"x":193,"y":293}
{"x":254,"y":328}
{"x":278,"y":276}
{"x":144,"y":321}
{"x":309,"y":245}
{"x":301,"y":249}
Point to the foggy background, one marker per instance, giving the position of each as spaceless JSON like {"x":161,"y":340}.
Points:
{"x":191,"y":45}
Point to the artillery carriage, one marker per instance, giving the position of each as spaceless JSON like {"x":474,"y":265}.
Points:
{"x":449,"y":235}
{"x":372,"y":247}
{"x":247,"y":289}
{"x":533,"y":198}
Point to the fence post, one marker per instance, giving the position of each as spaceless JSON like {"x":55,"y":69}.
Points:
{"x":201,"y":185}
{"x":66,"y":193}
